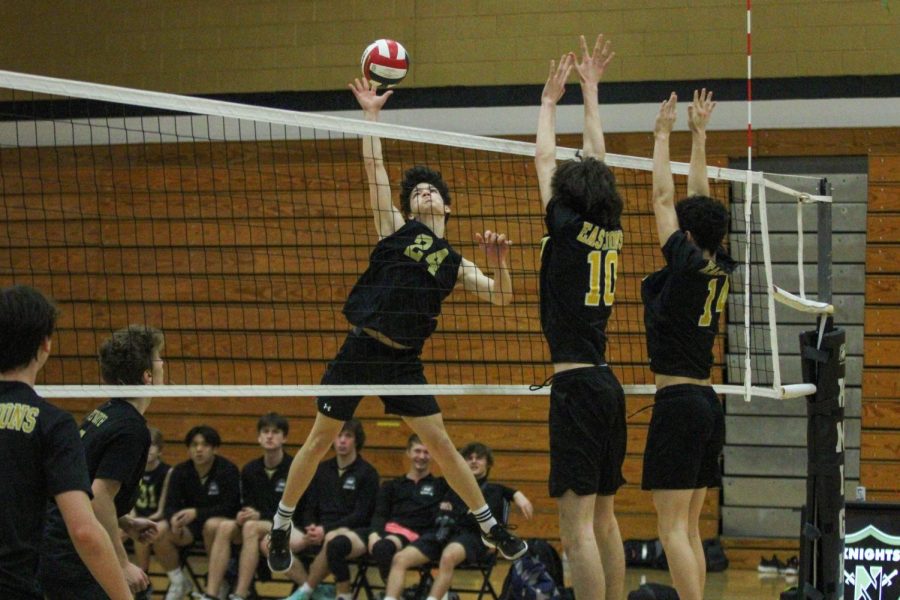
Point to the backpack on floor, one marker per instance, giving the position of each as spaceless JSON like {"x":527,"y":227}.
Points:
{"x":529,"y":579}
{"x":653,"y":591}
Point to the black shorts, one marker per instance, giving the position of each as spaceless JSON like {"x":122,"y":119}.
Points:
{"x":84,"y":588}
{"x":363,"y":360}
{"x":432,"y":548}
{"x":587,"y":432}
{"x":685,"y":439}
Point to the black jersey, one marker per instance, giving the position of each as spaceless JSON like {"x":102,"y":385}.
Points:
{"x":40,"y":457}
{"x":682,"y":303}
{"x":261,"y":488}
{"x":116,"y":441}
{"x":412,"y":504}
{"x":342,"y":499}
{"x":579,"y":265}
{"x":150,"y":490}
{"x":217,"y":495}
{"x":410,"y":273}
{"x":496,"y":496}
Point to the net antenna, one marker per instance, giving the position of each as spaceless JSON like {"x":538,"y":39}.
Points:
{"x":258,"y":224}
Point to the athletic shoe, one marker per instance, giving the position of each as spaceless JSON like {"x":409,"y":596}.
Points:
{"x":179,"y":589}
{"x":235,"y":597}
{"x":509,"y":546}
{"x":791,"y":568}
{"x":771,"y":566}
{"x":299,"y":594}
{"x":280,"y":557}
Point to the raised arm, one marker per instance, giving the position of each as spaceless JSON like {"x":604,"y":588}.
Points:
{"x":590,"y":71}
{"x":663,"y":185}
{"x":545,"y":145}
{"x":499,"y":289}
{"x":698,"y":116}
{"x":387,"y":218}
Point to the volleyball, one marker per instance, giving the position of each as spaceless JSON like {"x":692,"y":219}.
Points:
{"x":385,"y":62}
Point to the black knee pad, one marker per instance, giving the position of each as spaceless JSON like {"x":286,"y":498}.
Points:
{"x":338,"y":550}
{"x":383,"y":552}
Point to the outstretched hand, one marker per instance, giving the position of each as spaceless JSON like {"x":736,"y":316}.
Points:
{"x":556,"y":80}
{"x":700,"y":110}
{"x":593,"y":64}
{"x":665,"y":120}
{"x":495,"y":247}
{"x":366,"y":93}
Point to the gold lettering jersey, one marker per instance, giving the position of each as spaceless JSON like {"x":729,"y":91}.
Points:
{"x":579,"y":265}
{"x":410,"y":273}
{"x":682,"y":303}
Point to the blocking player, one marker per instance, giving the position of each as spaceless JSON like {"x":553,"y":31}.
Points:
{"x":455,"y":539}
{"x":116,"y":442}
{"x":579,"y":266}
{"x":42,"y":458}
{"x":682,"y":304}
{"x":393,"y":309}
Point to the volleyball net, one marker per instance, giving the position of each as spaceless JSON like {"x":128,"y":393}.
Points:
{"x":239,"y":231}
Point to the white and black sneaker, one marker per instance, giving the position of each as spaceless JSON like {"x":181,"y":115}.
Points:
{"x":280,"y":557}
{"x":509,"y":546}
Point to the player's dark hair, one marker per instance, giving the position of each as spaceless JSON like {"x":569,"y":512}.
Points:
{"x":355,"y":427}
{"x":479,"y":450}
{"x":273,"y":420}
{"x":413,"y":440}
{"x":209,"y":434}
{"x":27,"y":318}
{"x":707,"y":220}
{"x":156,"y":437}
{"x":413,"y":177}
{"x":588,"y":187}
{"x":126,"y":355}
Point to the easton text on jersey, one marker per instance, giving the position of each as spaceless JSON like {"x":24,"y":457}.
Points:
{"x":598,"y":238}
{"x":18,"y":417}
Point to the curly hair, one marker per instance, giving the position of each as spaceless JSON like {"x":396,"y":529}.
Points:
{"x":706,"y":218}
{"x":27,"y":318}
{"x":413,"y":177}
{"x":588,"y":187}
{"x":128,"y":354}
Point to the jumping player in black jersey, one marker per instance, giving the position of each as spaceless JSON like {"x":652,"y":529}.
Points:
{"x":394,"y":308}
{"x":579,"y":265}
{"x":41,"y":458}
{"x":682,"y":304}
{"x":116,"y":442}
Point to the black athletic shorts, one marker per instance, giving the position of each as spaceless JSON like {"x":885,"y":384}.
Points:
{"x":587,"y":432}
{"x":85,"y":588}
{"x":476,"y":551}
{"x":363,"y":360}
{"x":685,"y":439}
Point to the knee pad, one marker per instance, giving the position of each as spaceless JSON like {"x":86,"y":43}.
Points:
{"x":338,"y":550}
{"x":383,"y":552}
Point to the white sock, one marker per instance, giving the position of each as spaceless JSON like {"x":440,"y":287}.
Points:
{"x":388,"y":598}
{"x":305,"y":588}
{"x":283,"y":516}
{"x":431,"y":598}
{"x":484,"y":517}
{"x":175,"y":575}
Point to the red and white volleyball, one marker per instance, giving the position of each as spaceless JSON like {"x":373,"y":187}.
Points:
{"x":385,"y":62}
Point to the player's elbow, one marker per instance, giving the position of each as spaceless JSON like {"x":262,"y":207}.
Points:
{"x":86,"y":535}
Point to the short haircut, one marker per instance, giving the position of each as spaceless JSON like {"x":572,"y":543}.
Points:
{"x":588,"y":187}
{"x":156,"y":438}
{"x":209,"y":434}
{"x":27,"y":318}
{"x":707,"y":220}
{"x":479,"y":450}
{"x":128,"y":354}
{"x":355,"y":427}
{"x":413,"y":177}
{"x":274,"y":420}
{"x":413,"y":440}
